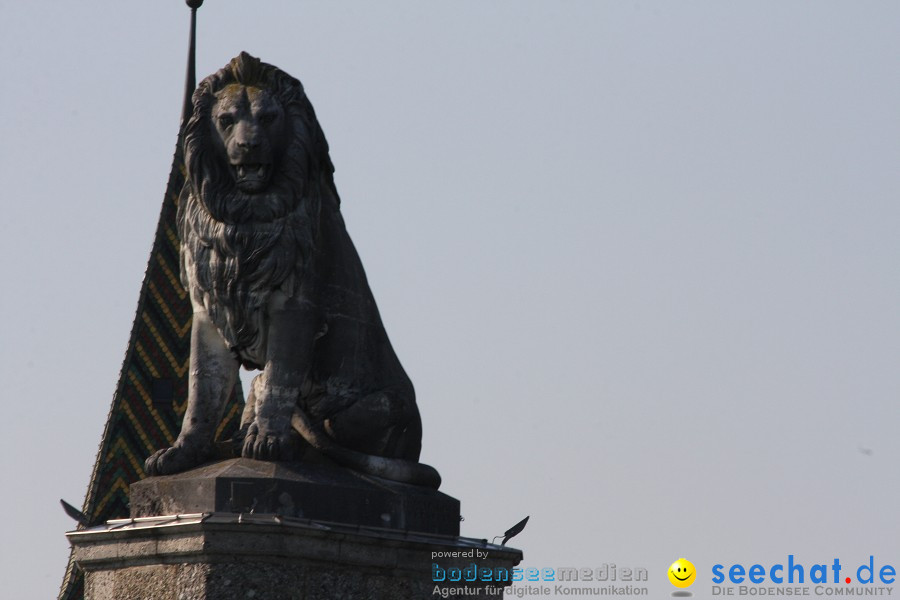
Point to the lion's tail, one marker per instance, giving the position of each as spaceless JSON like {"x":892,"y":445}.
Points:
{"x":394,"y":469}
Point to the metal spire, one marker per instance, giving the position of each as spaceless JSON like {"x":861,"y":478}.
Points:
{"x":191,"y":79}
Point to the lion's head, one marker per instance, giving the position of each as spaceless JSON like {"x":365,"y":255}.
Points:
{"x":249,"y":129}
{"x":258,"y":174}
{"x":253,"y":146}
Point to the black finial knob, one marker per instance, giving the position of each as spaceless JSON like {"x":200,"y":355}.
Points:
{"x":194,"y":3}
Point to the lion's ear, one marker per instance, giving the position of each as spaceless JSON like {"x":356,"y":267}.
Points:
{"x":247,"y":69}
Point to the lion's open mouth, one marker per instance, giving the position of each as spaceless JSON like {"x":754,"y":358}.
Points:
{"x":251,"y":177}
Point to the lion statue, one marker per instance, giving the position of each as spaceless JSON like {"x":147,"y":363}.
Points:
{"x":277,"y":285}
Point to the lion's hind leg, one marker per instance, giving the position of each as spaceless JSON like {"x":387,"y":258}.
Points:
{"x":380,"y":423}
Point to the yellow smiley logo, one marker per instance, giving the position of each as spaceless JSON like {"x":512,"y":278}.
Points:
{"x":682,"y":573}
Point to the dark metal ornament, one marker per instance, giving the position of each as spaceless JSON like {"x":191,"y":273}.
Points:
{"x":191,"y":78}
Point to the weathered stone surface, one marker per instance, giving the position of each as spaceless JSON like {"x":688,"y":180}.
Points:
{"x":276,"y":285}
{"x":229,"y":556}
{"x":308,"y":490}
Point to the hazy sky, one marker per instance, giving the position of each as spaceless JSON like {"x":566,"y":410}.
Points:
{"x":640,"y":259}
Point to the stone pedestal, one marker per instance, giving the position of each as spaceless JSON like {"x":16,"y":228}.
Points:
{"x":220,"y":553}
{"x":322,"y":492}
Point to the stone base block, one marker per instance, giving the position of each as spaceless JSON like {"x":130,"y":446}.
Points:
{"x":321,"y":492}
{"x":224,"y":556}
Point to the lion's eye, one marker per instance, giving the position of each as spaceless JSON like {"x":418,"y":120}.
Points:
{"x":226,"y":121}
{"x":268,"y":118}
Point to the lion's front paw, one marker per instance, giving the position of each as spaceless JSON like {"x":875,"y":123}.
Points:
{"x":176,"y":459}
{"x":270,"y":446}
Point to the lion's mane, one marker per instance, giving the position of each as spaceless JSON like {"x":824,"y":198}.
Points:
{"x":236,"y":247}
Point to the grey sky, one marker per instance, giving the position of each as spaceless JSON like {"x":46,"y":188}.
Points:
{"x":640,"y":259}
